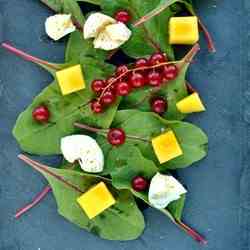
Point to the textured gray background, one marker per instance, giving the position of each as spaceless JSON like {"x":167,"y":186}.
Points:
{"x":213,"y":199}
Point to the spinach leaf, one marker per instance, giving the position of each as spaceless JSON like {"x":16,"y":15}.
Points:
{"x":146,"y":125}
{"x":172,"y":92}
{"x":122,"y":221}
{"x":44,"y":139}
{"x":148,"y":38}
{"x":67,"y":7}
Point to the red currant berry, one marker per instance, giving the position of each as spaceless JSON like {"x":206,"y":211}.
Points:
{"x":108,"y":98}
{"x":154,"y":78}
{"x":96,"y":107}
{"x":122,"y":16}
{"x":139,"y":184}
{"x":137,"y":80}
{"x":122,"y":69}
{"x":157,"y":58}
{"x":98,"y":85}
{"x":116,"y":136}
{"x":122,"y":89}
{"x":159,"y":105}
{"x":41,"y":114}
{"x":141,"y":62}
{"x":170,"y":72}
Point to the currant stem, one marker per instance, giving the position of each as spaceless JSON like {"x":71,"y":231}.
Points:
{"x":28,"y":57}
{"x":105,"y":131}
{"x":38,"y":198}
{"x":134,"y":70}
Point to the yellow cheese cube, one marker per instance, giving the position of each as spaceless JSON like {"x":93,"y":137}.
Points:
{"x":166,"y":147}
{"x":70,"y":79}
{"x":183,"y":30}
{"x":190,"y":104}
{"x":96,"y":200}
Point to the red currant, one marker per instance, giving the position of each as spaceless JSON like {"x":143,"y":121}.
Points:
{"x":123,"y":88}
{"x":141,"y":62}
{"x":157,"y":58}
{"x":121,"y":70}
{"x":108,"y":97}
{"x":116,"y":136}
{"x":41,"y":114}
{"x":170,"y":72}
{"x":122,"y":16}
{"x":96,"y":107}
{"x":159,"y":105}
{"x":139,"y":184}
{"x":98,"y":85}
{"x":137,"y":80}
{"x":154,"y":78}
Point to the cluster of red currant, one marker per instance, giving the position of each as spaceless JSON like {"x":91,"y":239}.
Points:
{"x":151,"y":72}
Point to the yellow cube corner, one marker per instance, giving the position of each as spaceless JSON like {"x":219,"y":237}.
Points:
{"x":70,"y":79}
{"x":166,"y":147}
{"x":96,"y":200}
{"x":191,"y":104}
{"x":183,"y":30}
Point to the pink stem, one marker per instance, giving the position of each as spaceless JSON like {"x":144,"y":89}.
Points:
{"x":28,"y":57}
{"x":192,"y":233}
{"x":39,"y":197}
{"x":210,"y":42}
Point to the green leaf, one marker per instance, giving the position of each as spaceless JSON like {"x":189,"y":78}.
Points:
{"x":176,"y":207}
{"x":45,"y":139}
{"x":67,"y":7}
{"x":78,"y":47}
{"x":172,"y":91}
{"x":146,"y":125}
{"x":96,"y":2}
{"x":122,"y":221}
{"x":148,"y":38}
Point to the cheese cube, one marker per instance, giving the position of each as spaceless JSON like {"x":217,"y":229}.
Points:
{"x":70,"y":79}
{"x":166,"y":147}
{"x":96,"y":200}
{"x":183,"y":30}
{"x":190,"y":104}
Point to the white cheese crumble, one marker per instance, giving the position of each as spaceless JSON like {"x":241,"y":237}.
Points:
{"x":58,"y":26}
{"x":85,"y":150}
{"x":163,"y":190}
{"x":108,"y":33}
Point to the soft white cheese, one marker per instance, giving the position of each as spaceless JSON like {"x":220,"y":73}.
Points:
{"x":58,"y":26}
{"x":163,"y":190}
{"x":85,"y":150}
{"x":108,"y":33}
{"x":95,"y":23}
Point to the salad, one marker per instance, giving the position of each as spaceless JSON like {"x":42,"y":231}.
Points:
{"x":118,"y":127}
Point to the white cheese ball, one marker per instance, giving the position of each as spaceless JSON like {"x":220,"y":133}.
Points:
{"x":85,"y":150}
{"x":58,"y":26}
{"x":95,"y":23}
{"x":163,"y":190}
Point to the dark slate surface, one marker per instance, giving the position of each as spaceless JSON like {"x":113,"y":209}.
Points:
{"x":213,"y":199}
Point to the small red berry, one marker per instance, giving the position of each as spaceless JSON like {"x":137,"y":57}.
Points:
{"x":96,"y":107}
{"x":122,"y":16}
{"x":141,"y":62}
{"x":139,"y":184}
{"x":98,"y":85}
{"x":122,"y":89}
{"x":121,"y":70}
{"x":116,"y":136}
{"x":154,"y":78}
{"x":41,"y":114}
{"x":159,"y":105}
{"x":170,"y":72}
{"x":157,"y":58}
{"x":108,"y":98}
{"x":137,"y":80}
